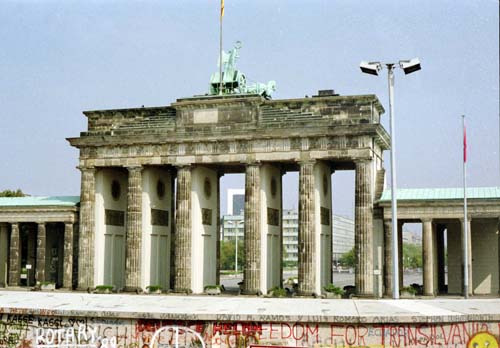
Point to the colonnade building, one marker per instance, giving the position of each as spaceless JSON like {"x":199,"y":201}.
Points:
{"x":149,"y":208}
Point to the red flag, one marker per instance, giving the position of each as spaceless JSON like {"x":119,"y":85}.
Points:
{"x":465,"y":144}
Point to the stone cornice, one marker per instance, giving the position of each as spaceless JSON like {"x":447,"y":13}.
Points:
{"x":39,"y":214}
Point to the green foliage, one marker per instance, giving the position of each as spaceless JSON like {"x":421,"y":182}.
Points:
{"x":104,"y":287}
{"x":228,"y":252}
{"x":412,"y":255}
{"x":290,"y":264}
{"x":349,"y":258}
{"x":409,"y":289}
{"x":153,"y":288}
{"x":277,"y":292}
{"x":334,"y":289}
{"x":12,"y":193}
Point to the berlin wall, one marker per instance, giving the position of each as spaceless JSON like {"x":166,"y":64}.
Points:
{"x":46,"y":329}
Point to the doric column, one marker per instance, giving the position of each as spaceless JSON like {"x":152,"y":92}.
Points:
{"x":15,"y":255}
{"x":41,"y":244}
{"x":364,"y":228}
{"x":68,"y":256}
{"x":182,"y":282}
{"x":4,"y":254}
{"x":498,"y":231}
{"x":307,"y":242}
{"x":428,"y":257}
{"x":87,"y":229}
{"x":388,"y":258}
{"x":133,"y":243}
{"x":469,"y":252}
{"x":251,"y":277}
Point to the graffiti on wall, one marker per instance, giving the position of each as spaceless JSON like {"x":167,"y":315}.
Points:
{"x":32,"y":331}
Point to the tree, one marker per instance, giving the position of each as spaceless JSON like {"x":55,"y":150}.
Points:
{"x":348,"y":259}
{"x":12,"y":193}
{"x":228,"y":252}
{"x":412,"y":255}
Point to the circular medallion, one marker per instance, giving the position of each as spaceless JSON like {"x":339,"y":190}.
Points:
{"x":325,"y":184}
{"x":274,"y":186}
{"x":160,"y":189}
{"x":115,"y":190}
{"x":207,"y":188}
{"x":483,"y":339}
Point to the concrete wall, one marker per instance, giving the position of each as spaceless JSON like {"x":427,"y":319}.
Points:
{"x":109,"y":239}
{"x":4,"y":254}
{"x":484,"y":236}
{"x":270,"y":231}
{"x":156,"y":235}
{"x":323,"y":230}
{"x":38,"y":331}
{"x":204,"y":200}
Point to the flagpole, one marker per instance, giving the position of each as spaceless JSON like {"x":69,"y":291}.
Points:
{"x":220,"y":46}
{"x":465,"y":242}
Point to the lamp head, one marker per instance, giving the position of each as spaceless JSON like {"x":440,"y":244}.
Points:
{"x":410,"y":66}
{"x":371,"y":68}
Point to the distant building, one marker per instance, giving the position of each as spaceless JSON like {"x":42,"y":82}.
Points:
{"x":235,"y":201}
{"x":410,"y":237}
{"x":343,"y":233}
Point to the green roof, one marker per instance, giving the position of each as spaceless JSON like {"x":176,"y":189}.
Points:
{"x":31,"y":201}
{"x":442,"y":194}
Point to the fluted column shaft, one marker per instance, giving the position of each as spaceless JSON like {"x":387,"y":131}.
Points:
{"x":364,"y":228}
{"x":15,"y":255}
{"x":68,"y":256}
{"x":251,"y":275}
{"x":133,"y":232}
{"x":41,"y":244}
{"x":388,"y":258}
{"x":307,"y":242}
{"x":428,"y":257}
{"x":87,"y":229}
{"x":182,"y":282}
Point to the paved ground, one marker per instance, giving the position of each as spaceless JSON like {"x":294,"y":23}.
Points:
{"x":222,"y":308}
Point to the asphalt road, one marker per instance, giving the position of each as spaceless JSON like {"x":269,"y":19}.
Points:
{"x":339,"y":279}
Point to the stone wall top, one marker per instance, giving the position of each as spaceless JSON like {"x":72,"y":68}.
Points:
{"x":245,"y":113}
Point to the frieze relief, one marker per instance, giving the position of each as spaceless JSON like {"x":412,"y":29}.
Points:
{"x":340,"y":143}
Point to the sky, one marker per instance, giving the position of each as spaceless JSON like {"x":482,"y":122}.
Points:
{"x":59,"y":58}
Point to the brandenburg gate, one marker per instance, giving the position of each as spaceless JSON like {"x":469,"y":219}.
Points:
{"x":150,"y":205}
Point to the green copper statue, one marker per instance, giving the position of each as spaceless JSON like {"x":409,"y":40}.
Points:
{"x":234,"y":81}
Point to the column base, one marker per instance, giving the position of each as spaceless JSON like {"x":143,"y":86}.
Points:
{"x":136,"y":289}
{"x":183,"y":291}
{"x":251,"y":292}
{"x":367,"y":296}
{"x":85,"y":289}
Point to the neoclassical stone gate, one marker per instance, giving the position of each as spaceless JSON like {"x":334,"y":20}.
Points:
{"x":150,"y":188}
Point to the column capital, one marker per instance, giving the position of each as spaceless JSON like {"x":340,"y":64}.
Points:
{"x":307,"y":161}
{"x":134,"y":168}
{"x":86,"y":168}
{"x":426,"y":220}
{"x":469,"y":219}
{"x":252,"y":163}
{"x":183,"y":166}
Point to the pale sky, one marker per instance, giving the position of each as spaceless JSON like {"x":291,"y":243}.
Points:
{"x":59,"y":58}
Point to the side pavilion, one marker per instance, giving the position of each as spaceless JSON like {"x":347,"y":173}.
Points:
{"x":441,"y":213}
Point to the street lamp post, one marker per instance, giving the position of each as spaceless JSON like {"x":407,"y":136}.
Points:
{"x":373,"y":68}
